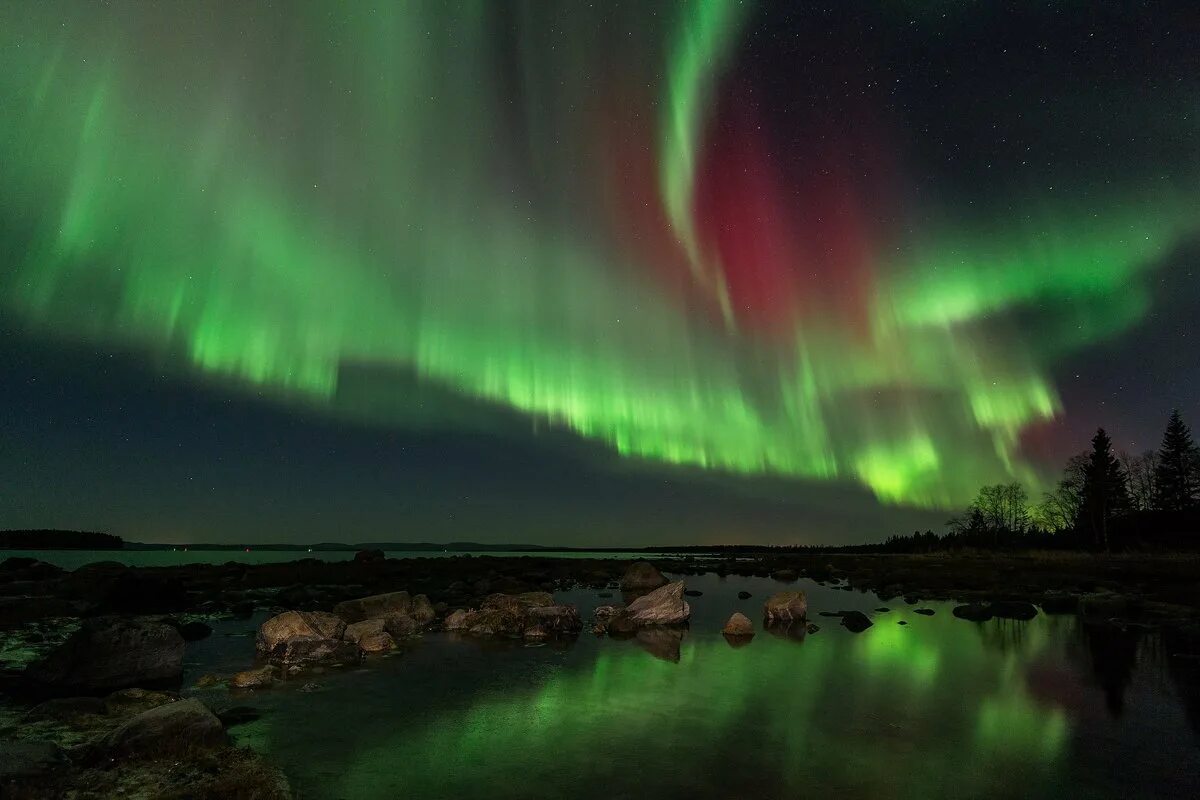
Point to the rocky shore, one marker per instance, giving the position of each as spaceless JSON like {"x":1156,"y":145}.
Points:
{"x":98,"y":697}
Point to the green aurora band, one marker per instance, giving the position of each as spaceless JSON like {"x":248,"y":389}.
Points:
{"x":271,"y":197}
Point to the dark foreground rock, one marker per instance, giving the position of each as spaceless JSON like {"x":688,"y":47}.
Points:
{"x":166,"y":730}
{"x":106,"y":654}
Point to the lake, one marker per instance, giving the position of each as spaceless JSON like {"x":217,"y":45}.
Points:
{"x":939,"y":707}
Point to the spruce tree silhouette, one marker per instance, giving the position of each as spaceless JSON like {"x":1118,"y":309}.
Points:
{"x":1104,"y":496}
{"x":1177,"y":473}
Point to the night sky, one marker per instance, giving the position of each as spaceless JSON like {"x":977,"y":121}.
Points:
{"x":613,"y":273}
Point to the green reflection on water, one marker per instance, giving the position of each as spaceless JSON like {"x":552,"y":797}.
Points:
{"x":904,"y":712}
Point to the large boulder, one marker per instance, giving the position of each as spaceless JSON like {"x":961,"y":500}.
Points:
{"x":663,"y":606}
{"x":377,"y":606}
{"x":738,"y":625}
{"x":422,"y":610}
{"x":641,"y":576}
{"x":107,"y":654}
{"x":786,"y":607}
{"x":457,"y":620}
{"x":368,"y":627}
{"x":301,"y":637}
{"x":290,"y":625}
{"x":177,"y":727}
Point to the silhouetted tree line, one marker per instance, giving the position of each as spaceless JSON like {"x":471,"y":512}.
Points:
{"x":59,"y":540}
{"x":1103,"y":501}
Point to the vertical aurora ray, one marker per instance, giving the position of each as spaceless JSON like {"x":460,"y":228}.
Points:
{"x":273,"y":199}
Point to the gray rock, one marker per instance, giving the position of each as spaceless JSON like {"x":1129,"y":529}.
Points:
{"x":456,"y":620}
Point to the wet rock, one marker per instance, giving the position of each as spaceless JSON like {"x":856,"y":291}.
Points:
{"x":663,"y":606}
{"x":924,"y":612}
{"x":738,"y":625}
{"x":640,"y":576}
{"x":379,"y":642}
{"x":106,"y":654}
{"x":882,"y":610}
{"x":855,"y":621}
{"x":535,"y":633}
{"x":254,"y":678}
{"x":975,"y":612}
{"x":744,"y":595}
{"x":693,"y":593}
{"x":813,"y":627}
{"x":174,"y":728}
{"x":786,"y":607}
{"x":902,"y":622}
{"x":374,"y":606}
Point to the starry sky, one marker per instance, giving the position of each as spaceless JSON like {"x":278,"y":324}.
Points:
{"x":614,"y":273}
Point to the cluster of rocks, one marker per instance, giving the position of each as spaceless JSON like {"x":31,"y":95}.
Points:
{"x":132,"y":742}
{"x":529,"y":615}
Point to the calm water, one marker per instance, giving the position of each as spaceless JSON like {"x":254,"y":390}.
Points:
{"x":938,"y":708}
{"x":73,"y":559}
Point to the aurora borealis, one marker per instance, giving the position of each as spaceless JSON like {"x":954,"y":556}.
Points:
{"x":749,"y":241}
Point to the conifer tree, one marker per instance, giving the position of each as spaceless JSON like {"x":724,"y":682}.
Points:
{"x":1104,"y":496}
{"x":1177,"y":473}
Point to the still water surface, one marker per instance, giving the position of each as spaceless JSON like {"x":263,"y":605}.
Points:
{"x":937,"y":708}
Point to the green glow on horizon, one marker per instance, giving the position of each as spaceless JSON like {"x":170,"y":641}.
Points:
{"x":273,"y":231}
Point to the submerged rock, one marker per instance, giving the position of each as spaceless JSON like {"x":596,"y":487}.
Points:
{"x":738,"y":625}
{"x":925,"y":612}
{"x":663,"y":606}
{"x":786,"y":607}
{"x":106,"y":654}
{"x":642,"y":575}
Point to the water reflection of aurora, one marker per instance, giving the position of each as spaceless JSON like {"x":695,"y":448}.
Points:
{"x":889,"y":713}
